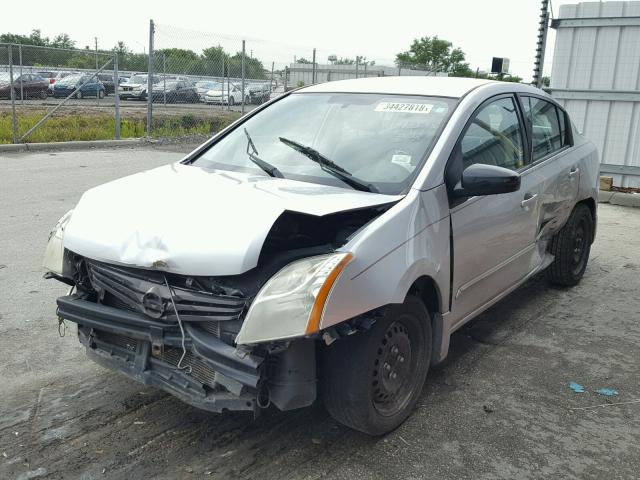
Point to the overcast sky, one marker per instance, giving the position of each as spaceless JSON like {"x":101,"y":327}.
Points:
{"x":278,"y":30}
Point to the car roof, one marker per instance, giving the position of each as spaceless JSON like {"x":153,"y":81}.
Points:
{"x":408,"y":85}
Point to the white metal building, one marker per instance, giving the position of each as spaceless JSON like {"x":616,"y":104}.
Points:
{"x":596,"y":76}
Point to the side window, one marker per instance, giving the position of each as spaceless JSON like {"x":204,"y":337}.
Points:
{"x":494,"y":137}
{"x":546,"y":129}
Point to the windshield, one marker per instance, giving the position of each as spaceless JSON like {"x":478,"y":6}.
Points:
{"x":138,"y":79}
{"x":380,"y":140}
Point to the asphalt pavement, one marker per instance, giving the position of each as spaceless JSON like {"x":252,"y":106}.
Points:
{"x":499,"y":408}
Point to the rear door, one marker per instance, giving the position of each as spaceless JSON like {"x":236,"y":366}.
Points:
{"x":555,"y":161}
{"x":494,"y":235}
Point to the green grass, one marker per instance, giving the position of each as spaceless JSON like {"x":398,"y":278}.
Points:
{"x":102,"y":127}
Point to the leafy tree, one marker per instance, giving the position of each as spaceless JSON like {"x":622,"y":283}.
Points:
{"x":510,"y":78}
{"x":303,"y":60}
{"x":121,"y":48}
{"x":435,"y":55}
{"x":253,"y":67}
{"x":215,"y":61}
{"x":34,"y":38}
{"x":62,"y":41}
{"x":345,"y":61}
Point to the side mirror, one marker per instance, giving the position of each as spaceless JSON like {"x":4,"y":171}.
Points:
{"x":480,"y":179}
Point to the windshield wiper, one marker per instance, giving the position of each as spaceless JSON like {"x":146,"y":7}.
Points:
{"x":253,"y":156}
{"x":330,"y":167}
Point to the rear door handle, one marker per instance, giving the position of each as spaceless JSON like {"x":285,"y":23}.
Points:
{"x":574,"y":170}
{"x":528,"y":198}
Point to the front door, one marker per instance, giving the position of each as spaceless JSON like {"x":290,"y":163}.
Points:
{"x":493,"y":235}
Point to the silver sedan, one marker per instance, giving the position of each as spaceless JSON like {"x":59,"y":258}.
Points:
{"x":328,"y":244}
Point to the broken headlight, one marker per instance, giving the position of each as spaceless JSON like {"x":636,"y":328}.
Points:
{"x":54,"y":253}
{"x":291,"y":303}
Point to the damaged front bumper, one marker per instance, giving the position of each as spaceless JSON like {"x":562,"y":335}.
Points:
{"x":213,"y":376}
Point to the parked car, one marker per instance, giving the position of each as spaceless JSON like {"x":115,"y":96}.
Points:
{"x":29,"y":84}
{"x":50,"y":77}
{"x":204,"y":86}
{"x":175,"y":91}
{"x":136,"y":87}
{"x":277,"y":91}
{"x":107,"y":80}
{"x":221,"y":95}
{"x":328,"y":244}
{"x":259,"y":92}
{"x":86,"y":86}
{"x":53,"y":77}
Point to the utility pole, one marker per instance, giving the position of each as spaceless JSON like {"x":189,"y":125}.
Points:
{"x":543,"y":28}
{"x":314,"y":70}
{"x":96,"y":45}
{"x":150,"y":79}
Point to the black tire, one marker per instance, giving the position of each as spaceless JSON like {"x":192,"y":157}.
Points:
{"x":372,"y":380}
{"x":570,"y":247}
{"x":42,"y":94}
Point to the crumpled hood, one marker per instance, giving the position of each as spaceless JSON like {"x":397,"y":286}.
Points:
{"x":188,"y":220}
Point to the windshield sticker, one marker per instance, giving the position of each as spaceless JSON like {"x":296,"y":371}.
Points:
{"x":404,"y":107}
{"x":403,"y":160}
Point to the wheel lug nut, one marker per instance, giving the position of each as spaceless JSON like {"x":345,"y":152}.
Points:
{"x":401,"y":359}
{"x":387,"y":367}
{"x":393,"y":375}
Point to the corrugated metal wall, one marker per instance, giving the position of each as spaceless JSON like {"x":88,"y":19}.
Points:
{"x":596,"y":76}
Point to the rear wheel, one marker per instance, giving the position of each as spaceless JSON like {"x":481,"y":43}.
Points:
{"x":42,"y":94}
{"x":372,"y":380}
{"x":570,"y":247}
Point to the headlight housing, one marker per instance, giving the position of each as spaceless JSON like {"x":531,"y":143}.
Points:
{"x":291,"y":303}
{"x":54,"y":252}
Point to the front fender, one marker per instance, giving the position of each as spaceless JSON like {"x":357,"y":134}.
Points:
{"x":409,"y":241}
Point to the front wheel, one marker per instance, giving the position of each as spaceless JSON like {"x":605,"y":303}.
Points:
{"x":570,"y":248}
{"x":372,"y":380}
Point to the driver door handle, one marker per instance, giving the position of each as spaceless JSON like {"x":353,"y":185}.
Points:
{"x":574,"y":171}
{"x":528,"y":198}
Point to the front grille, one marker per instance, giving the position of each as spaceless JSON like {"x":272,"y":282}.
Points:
{"x":121,"y":341}
{"x":113,"y":301}
{"x":145,"y":292}
{"x":199,"y":370}
{"x":212,"y":327}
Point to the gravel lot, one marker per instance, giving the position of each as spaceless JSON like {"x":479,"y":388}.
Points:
{"x":500,"y":407}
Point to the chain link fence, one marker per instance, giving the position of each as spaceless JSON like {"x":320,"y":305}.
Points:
{"x":43,"y":92}
{"x":186,"y":82}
